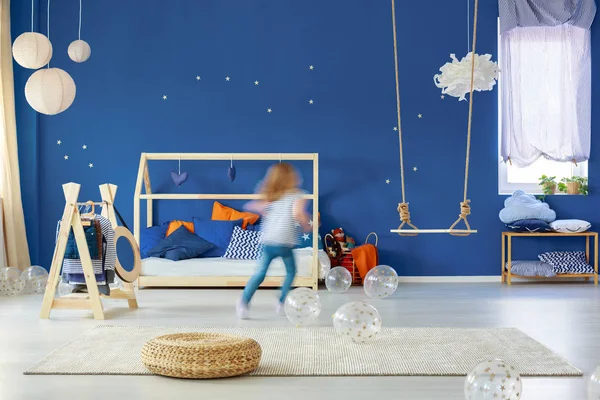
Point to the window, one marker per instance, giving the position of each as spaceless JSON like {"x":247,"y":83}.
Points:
{"x":511,"y":177}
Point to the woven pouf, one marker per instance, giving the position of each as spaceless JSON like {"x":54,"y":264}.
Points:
{"x":201,"y":355}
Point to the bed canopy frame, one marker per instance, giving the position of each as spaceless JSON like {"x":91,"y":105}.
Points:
{"x":143,"y":191}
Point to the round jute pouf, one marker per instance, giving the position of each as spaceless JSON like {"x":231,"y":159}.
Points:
{"x":201,"y":355}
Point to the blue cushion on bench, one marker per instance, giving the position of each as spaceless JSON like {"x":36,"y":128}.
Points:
{"x":530,"y":225}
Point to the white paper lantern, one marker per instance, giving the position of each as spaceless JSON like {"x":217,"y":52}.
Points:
{"x":32,"y":50}
{"x":79,"y":51}
{"x":50,"y":91}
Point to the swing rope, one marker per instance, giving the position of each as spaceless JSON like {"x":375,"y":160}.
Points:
{"x":465,"y":208}
{"x":402,"y":207}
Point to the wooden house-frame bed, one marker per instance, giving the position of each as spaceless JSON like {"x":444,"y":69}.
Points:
{"x":143,"y":191}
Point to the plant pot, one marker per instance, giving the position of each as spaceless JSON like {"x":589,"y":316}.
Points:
{"x":549,"y":187}
{"x":572,"y":187}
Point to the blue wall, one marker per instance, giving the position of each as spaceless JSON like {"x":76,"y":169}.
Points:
{"x":142,"y":51}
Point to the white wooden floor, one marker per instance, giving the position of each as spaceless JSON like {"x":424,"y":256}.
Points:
{"x":564,"y":317}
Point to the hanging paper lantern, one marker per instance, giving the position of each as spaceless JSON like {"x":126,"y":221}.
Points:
{"x":50,"y":91}
{"x":32,"y":50}
{"x":455,"y":77}
{"x":79,"y":51}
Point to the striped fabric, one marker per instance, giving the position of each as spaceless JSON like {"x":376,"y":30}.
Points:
{"x":278,"y":225}
{"x":73,"y":266}
{"x":567,"y":262}
{"x":528,"y":13}
{"x":244,"y":245}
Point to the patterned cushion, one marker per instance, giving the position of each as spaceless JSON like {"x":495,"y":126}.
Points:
{"x":244,"y":245}
{"x":567,"y":262}
{"x":531,"y":268}
{"x":570,"y":225}
{"x":530,"y":225}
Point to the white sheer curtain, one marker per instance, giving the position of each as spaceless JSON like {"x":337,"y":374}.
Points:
{"x":545,"y":66}
{"x":546,"y":94}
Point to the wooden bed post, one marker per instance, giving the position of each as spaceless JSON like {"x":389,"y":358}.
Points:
{"x":136,"y":197}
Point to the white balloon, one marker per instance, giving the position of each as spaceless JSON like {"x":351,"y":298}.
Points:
{"x":32,"y":50}
{"x":302,"y":306}
{"x":50,"y":91}
{"x":594,"y":385}
{"x":338,"y":280}
{"x":380,"y":282}
{"x":79,"y":51}
{"x":493,"y":379}
{"x":357,"y":321}
{"x":35,"y":279}
{"x":10,"y":281}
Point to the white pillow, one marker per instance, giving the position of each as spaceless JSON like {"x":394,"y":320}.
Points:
{"x":570,"y":225}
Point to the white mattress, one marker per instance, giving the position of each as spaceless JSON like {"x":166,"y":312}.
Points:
{"x":219,"y":266}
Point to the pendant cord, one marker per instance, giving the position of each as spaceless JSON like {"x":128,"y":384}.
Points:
{"x":48,"y":26}
{"x":79,"y":19}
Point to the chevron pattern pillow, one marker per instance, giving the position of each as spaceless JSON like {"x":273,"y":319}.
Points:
{"x":244,"y":245}
{"x":567,"y":262}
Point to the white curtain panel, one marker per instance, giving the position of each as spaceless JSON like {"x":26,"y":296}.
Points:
{"x":546,"y":94}
{"x":546,"y":80}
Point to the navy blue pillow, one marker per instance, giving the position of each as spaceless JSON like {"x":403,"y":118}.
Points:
{"x":181,"y":245}
{"x":216,"y":232}
{"x":530,"y":225}
{"x":151,"y":237}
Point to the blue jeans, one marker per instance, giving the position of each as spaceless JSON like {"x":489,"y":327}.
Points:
{"x":269,"y":254}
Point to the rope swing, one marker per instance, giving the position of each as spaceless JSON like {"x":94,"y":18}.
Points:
{"x":465,"y":208}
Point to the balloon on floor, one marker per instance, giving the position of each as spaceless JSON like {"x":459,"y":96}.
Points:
{"x":357,"y":321}
{"x":381,"y":282}
{"x":493,"y":379}
{"x":302,"y":306}
{"x":338,"y":280}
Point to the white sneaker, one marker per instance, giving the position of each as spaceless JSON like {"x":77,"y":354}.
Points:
{"x":280,"y":309}
{"x":242,"y":310}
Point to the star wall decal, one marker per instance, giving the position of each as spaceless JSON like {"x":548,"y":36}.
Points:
{"x":420,"y":115}
{"x":311,"y":67}
{"x":58,"y":142}
{"x":84,"y":147}
{"x":387,"y":181}
{"x":256,"y":83}
{"x":164,"y":97}
{"x":442,"y":97}
{"x":227,"y":78}
{"x":310,"y":101}
{"x":198,"y":77}
{"x":415,"y":168}
{"x":66,"y":157}
{"x":269,"y":110}
{"x":91,"y":165}
{"x":395,"y":128}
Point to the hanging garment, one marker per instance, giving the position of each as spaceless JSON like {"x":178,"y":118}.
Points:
{"x":93,"y":236}
{"x":72,"y":269}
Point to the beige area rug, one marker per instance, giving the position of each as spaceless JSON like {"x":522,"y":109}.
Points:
{"x":115,"y":350}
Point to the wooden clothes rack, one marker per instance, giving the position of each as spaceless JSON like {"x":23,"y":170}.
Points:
{"x":143,"y":183}
{"x":72,"y":219}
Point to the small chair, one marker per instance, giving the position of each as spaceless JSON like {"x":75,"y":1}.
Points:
{"x":201,"y":355}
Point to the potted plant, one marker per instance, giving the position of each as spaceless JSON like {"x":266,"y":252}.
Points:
{"x":574,"y":185}
{"x":548,"y":184}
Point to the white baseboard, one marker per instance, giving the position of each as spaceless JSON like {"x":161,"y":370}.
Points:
{"x":450,"y":279}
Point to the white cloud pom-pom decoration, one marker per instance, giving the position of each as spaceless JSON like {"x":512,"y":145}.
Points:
{"x":50,"y":91}
{"x":32,"y":50}
{"x":455,"y":77}
{"x":79,"y":51}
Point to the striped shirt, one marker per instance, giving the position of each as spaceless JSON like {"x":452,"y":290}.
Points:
{"x":279,"y":228}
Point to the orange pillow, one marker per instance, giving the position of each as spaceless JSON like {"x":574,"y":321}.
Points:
{"x":174,"y":225}
{"x":224,"y":213}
